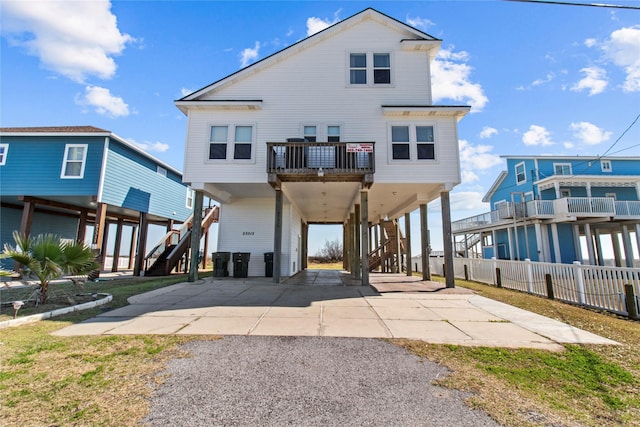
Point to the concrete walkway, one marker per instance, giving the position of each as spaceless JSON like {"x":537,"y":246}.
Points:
{"x":328,"y":303}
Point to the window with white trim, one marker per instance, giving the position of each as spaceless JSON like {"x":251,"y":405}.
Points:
{"x":239,"y":137}
{"x":369,"y":68}
{"x":521,"y":174}
{"x":73,"y":163}
{"x":614,"y":196}
{"x":565,"y":192}
{"x":4,"y":149}
{"x":189,"y":202}
{"x":413,"y":142}
{"x":562,"y":168}
{"x":605,"y":165}
{"x":310,"y":133}
{"x":161,"y":171}
{"x":333,"y":133}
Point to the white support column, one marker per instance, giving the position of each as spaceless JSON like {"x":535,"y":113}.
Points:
{"x":576,"y":242}
{"x":589,"y":237}
{"x":638,"y":238}
{"x":539,"y":245}
{"x":588,"y":188}
{"x":617,"y":255}
{"x":510,"y":243}
{"x":556,"y":243}
{"x":546,"y":248}
{"x":628,"y":250}
{"x":495,"y":244}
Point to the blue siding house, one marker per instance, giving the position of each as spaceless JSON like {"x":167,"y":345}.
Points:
{"x":559,"y":209}
{"x":67,"y":180}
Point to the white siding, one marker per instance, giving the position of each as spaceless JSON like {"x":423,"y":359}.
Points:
{"x":247,"y":225}
{"x":311,"y":87}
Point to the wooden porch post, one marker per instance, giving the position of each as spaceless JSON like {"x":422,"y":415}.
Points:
{"x":352,"y":240}
{"x":27,"y":217}
{"x":345,"y":246}
{"x":132,"y":246}
{"x":138,"y":268}
{"x":407,"y":231}
{"x":357,"y":244}
{"x":98,"y":229}
{"x":383,"y":245}
{"x":82,"y":226}
{"x":103,"y":247}
{"x":446,"y":239}
{"x":424,"y":242}
{"x":196,"y":234}
{"x":305,"y":246}
{"x":277,"y":238}
{"x":116,"y":246}
{"x":364,"y":201}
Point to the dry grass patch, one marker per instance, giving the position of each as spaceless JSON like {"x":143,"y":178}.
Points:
{"x":582,"y":386}
{"x":325,"y":266}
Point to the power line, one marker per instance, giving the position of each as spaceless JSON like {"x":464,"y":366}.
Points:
{"x":570,"y":3}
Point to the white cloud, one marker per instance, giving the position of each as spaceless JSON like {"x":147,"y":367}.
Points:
{"x":184,"y":91}
{"x":75,"y":39}
{"x":537,"y":135}
{"x":451,"y":80}
{"x":488,"y":132}
{"x":148,"y":146}
{"x":590,"y":42}
{"x":623,"y":49}
{"x":467,"y":200}
{"x":315,"y":25}
{"x":568,"y":145}
{"x":589,"y":133}
{"x":469,"y":177}
{"x":478,"y":157}
{"x":103,"y":102}
{"x":549,"y":77}
{"x":420,"y":23}
{"x":595,"y":80}
{"x":248,"y":55}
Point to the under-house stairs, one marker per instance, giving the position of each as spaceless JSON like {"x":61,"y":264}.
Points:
{"x":169,"y":252}
{"x":389,"y":254}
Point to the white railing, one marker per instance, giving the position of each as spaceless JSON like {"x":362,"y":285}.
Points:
{"x":628,"y":208}
{"x":587,"y":285}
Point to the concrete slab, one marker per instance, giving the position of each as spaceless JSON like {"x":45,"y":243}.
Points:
{"x":236,"y":312}
{"x":220,"y":326}
{"x":407,"y":313}
{"x":348,"y":312}
{"x":364,"y":328}
{"x":150,"y":325}
{"x":468,"y":313}
{"x":501,"y":334}
{"x":133,"y":310}
{"x":434,"y":331}
{"x":382,"y":301}
{"x":287,"y":326}
{"x":298,"y":312}
{"x":93,"y":326}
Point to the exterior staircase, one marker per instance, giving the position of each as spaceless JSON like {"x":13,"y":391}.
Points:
{"x":391,"y":249}
{"x":171,"y":249}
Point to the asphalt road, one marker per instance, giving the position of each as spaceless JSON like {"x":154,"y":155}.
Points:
{"x":306,"y":381}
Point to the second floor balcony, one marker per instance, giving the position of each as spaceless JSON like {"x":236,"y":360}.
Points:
{"x":558,"y":210}
{"x":321,"y":161}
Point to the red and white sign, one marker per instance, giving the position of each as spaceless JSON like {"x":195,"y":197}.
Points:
{"x":359,"y":148}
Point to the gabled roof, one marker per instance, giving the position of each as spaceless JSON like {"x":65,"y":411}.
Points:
{"x":494,"y":187}
{"x":81,"y":131}
{"x":421,"y":39}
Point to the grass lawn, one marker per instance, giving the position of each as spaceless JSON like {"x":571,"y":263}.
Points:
{"x":107,"y":380}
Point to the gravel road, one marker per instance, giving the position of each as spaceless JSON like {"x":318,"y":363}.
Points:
{"x":306,"y":381}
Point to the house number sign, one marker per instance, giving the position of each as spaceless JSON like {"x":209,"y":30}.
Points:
{"x":248,"y":233}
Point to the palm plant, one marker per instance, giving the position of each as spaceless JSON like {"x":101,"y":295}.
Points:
{"x":48,"y":257}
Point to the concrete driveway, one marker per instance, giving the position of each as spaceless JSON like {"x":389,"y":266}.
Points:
{"x":328,"y":303}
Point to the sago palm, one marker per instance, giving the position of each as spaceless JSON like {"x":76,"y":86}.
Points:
{"x":48,"y":257}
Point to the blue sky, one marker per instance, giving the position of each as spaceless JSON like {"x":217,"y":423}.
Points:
{"x":541,"y":78}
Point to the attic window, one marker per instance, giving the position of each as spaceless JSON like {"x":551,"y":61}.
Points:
{"x":605,"y":165}
{"x":161,"y":171}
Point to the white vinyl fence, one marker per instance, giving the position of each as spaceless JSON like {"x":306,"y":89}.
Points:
{"x":587,"y":285}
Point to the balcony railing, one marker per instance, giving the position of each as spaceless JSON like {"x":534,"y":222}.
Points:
{"x":561,"y":209}
{"x":320,"y":159}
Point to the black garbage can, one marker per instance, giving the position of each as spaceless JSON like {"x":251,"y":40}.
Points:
{"x":220,"y":264}
{"x":241,"y":264}
{"x":268,"y":264}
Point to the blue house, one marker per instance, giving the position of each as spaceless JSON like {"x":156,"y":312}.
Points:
{"x":559,"y":209}
{"x":70,"y":180}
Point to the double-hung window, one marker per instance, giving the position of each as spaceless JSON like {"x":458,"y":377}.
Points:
{"x":400,"y":143}
{"x":381,"y":68}
{"x":189,"y":201}
{"x":521,"y":176}
{"x":238,"y":137}
{"x":75,"y":156}
{"x":425,"y":143}
{"x":4,"y":149}
{"x":333,"y":133}
{"x":605,"y":165}
{"x":310,"y":133}
{"x":358,"y":68}
{"x":562,"y":168}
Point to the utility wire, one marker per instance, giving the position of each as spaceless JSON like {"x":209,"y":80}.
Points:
{"x":571,"y":3}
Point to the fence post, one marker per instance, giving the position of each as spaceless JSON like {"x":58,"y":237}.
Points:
{"x":630,"y":296}
{"x":527,"y":263}
{"x":549,"y":282}
{"x":498,"y":278}
{"x":466,"y":272}
{"x":579,"y":281}
{"x":494,"y":263}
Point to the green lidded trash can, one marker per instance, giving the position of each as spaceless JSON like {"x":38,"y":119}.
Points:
{"x":241,"y":264}
{"x":220,"y":264}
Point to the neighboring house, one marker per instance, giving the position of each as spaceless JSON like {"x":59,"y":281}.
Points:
{"x":547,"y":208}
{"x":338,"y":128}
{"x":62,"y":179}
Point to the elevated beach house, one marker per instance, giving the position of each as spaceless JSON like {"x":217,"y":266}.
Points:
{"x":338,"y":128}
{"x":70,"y":180}
{"x":559,"y":209}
